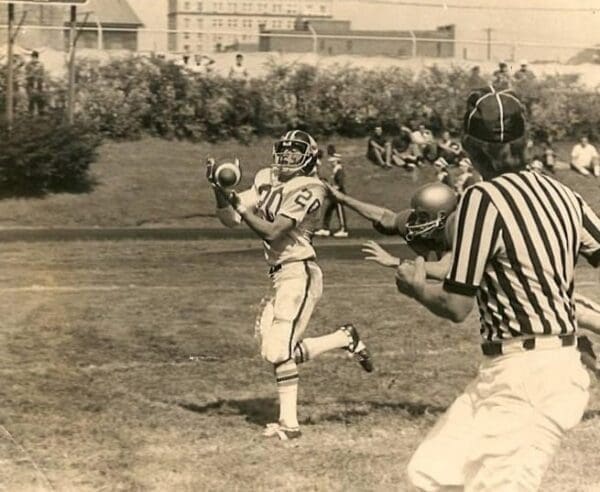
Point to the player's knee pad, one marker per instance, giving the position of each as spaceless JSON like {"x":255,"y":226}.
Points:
{"x":275,"y":347}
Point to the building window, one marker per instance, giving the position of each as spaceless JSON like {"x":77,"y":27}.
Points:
{"x":349,"y":45}
{"x":277,"y":8}
{"x":290,"y":24}
{"x":200,"y":35}
{"x":199,"y":48}
{"x":323,"y":9}
{"x":186,"y":47}
{"x":232,"y":23}
{"x":217,"y":22}
{"x":199,"y":7}
{"x":186,"y":6}
{"x":232,"y":7}
{"x":186,"y":35}
{"x":200,"y":23}
{"x":186,"y":22}
{"x":276,"y":24}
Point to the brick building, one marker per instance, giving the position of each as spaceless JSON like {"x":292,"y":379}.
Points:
{"x":209,"y":26}
{"x":336,"y":37}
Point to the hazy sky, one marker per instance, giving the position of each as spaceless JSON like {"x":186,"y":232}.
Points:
{"x":581,"y":26}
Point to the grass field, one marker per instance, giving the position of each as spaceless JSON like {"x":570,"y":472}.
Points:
{"x":131,"y":365}
{"x":156,"y":183}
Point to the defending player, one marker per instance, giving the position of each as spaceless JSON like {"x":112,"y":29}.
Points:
{"x":281,"y":208}
{"x":428,"y":227}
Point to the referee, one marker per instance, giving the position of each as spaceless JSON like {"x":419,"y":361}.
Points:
{"x":518,"y":236}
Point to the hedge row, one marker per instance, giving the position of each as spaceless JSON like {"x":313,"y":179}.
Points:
{"x":127,"y":98}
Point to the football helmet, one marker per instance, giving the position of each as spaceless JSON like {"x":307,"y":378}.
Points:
{"x":294,"y":152}
{"x":431,"y":205}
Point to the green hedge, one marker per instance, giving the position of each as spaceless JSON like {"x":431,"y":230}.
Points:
{"x":41,"y":155}
{"x":128,"y":98}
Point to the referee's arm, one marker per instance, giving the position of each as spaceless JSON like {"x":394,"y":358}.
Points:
{"x":477,"y":229}
{"x":590,"y":234}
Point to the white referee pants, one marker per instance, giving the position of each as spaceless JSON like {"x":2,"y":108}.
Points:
{"x":502,"y":432}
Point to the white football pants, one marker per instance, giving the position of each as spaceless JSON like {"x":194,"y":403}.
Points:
{"x":298,"y":286}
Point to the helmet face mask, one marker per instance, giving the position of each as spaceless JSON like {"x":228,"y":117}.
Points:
{"x":295,"y":152}
{"x":431,"y":204}
{"x":421,"y":225}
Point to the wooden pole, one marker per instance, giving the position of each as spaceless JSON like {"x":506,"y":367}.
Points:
{"x":71,"y":92}
{"x":10,"y":71}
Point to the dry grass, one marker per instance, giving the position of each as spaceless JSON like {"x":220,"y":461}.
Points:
{"x":132,"y":366}
{"x":155,"y":183}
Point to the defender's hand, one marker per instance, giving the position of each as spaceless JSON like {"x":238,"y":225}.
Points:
{"x":379,"y":255}
{"x":411,"y":277}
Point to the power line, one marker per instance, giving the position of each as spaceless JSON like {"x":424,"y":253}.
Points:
{"x":445,"y":5}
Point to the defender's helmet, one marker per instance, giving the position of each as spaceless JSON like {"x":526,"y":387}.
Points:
{"x":431,"y":205}
{"x":295,"y":151}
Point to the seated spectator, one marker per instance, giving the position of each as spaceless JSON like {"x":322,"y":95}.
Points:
{"x":402,"y":150}
{"x":584,"y":158}
{"x":501,"y":77}
{"x":449,"y":149}
{"x":204,"y":65}
{"x":467,"y":176}
{"x":424,"y":142}
{"x":548,"y":155}
{"x":379,"y":150}
{"x":441,"y":171}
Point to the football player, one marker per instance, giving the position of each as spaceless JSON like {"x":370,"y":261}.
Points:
{"x":428,"y":227}
{"x":282,"y":208}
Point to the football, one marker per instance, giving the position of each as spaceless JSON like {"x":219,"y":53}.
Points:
{"x":227,"y":175}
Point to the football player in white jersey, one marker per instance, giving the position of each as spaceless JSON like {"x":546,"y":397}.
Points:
{"x":282,"y":209}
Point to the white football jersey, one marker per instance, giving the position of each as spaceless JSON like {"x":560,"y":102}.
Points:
{"x":299,"y":199}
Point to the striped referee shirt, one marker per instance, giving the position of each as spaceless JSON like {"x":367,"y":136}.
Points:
{"x":517,"y":240}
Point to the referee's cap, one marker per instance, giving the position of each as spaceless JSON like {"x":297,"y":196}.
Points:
{"x":494,"y":116}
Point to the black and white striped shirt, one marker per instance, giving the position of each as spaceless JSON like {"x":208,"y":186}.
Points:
{"x":517,"y":240}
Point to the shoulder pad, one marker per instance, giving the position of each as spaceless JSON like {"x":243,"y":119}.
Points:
{"x":262,"y":177}
{"x":300,"y":182}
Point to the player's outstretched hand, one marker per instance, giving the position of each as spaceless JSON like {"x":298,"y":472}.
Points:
{"x":334,"y":193}
{"x":411,"y":277}
{"x":379,"y":255}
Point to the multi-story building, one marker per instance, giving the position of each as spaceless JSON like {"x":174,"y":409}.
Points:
{"x":218,"y":25}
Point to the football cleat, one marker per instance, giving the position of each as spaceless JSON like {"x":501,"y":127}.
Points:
{"x":322,"y":233}
{"x":340,"y":233}
{"x":356,"y":348}
{"x":283,"y":432}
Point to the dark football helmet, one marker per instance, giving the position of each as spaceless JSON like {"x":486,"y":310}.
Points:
{"x":294,"y":152}
{"x":431,"y":205}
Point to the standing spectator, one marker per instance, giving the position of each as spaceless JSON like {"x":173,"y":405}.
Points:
{"x":441,"y":171}
{"x":238,"y":70}
{"x":584,"y":157}
{"x":524,"y":74}
{"x":475,"y":80}
{"x":501,"y":77}
{"x":337,"y":181}
{"x":402,"y":150}
{"x":516,"y":242}
{"x":34,"y":84}
{"x":379,"y":150}
{"x":204,"y":65}
{"x":449,"y":149}
{"x":548,"y":154}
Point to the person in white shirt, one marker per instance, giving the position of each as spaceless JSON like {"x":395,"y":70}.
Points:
{"x":238,"y":70}
{"x":584,"y":158}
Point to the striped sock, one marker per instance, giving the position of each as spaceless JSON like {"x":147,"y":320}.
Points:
{"x":301,"y":353}
{"x":287,"y":388}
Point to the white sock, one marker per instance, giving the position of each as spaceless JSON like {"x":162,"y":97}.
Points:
{"x":287,"y":388}
{"x":317,"y":345}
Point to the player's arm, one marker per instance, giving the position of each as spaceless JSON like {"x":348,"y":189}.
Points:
{"x":454,"y":298}
{"x":268,"y":231}
{"x":590,"y":234}
{"x":381,"y":216}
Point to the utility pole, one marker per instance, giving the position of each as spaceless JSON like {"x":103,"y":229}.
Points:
{"x":71,"y":87}
{"x":488,"y":31}
{"x":10,"y":68}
